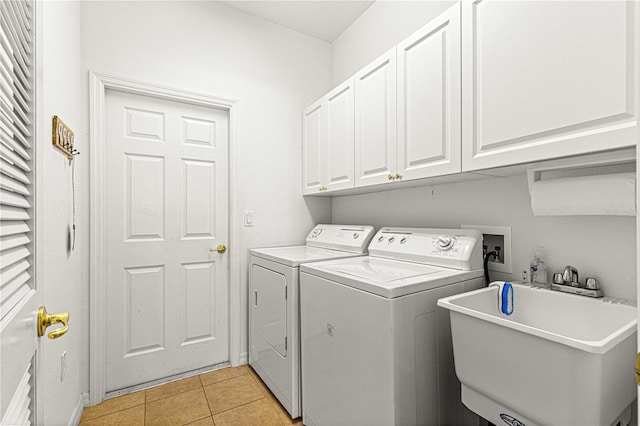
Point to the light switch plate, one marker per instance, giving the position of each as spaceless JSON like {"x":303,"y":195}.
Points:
{"x":248,"y":218}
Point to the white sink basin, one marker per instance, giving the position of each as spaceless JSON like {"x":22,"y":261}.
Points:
{"x":558,"y":359}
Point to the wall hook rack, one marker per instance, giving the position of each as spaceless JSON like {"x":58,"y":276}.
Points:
{"x":63,"y":138}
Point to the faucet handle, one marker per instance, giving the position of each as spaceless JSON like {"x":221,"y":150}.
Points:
{"x":592,"y":284}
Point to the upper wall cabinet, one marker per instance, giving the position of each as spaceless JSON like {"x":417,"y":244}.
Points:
{"x":375,"y":121}
{"x":546,"y":79}
{"x":328,"y":139}
{"x":313,"y":138}
{"x":429,"y":119}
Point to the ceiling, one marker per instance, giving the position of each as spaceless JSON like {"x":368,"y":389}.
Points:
{"x":321,"y":19}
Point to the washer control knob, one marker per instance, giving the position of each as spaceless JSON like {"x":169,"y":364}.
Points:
{"x":392,"y":239}
{"x":445,"y":242}
{"x":403,"y":240}
{"x":381,"y":239}
{"x":355,"y":235}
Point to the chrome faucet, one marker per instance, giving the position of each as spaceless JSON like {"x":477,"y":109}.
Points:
{"x":570,"y":276}
{"x":568,"y":282}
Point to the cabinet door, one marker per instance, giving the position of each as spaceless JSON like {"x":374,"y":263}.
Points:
{"x":429,"y":135}
{"x":375,"y":120}
{"x":313,"y":139}
{"x":339,"y":163}
{"x":545,"y":79}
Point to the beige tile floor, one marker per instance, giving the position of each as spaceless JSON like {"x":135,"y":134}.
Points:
{"x":226,"y":397}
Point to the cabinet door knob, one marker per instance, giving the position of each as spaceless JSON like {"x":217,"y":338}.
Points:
{"x":390,"y":177}
{"x":398,"y":176}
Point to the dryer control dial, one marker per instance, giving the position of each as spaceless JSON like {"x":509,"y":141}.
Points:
{"x":446,"y":242}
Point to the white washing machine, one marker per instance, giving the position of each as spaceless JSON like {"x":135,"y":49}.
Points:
{"x":274,"y":318}
{"x":376,"y":350}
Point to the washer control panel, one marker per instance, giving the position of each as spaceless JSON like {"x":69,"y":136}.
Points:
{"x":452,"y":248}
{"x":353,"y":239}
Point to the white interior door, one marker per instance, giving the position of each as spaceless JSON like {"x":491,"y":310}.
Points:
{"x":167,"y":211}
{"x":19,"y":294}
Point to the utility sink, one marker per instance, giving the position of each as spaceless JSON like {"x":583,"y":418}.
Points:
{"x":558,"y":359}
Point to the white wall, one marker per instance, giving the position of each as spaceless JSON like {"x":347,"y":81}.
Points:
{"x":209,"y":48}
{"x":603,"y":247}
{"x":377,"y":30}
{"x":63,"y":273}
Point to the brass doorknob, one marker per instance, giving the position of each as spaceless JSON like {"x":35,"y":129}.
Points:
{"x":46,"y":319}
{"x":220,"y":249}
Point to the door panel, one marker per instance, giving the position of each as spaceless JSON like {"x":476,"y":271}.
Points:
{"x":20,"y":293}
{"x":167,"y":293}
{"x":144,"y":301}
{"x":313,"y":139}
{"x":539,"y":81}
{"x":269,"y":307}
{"x":199,"y":201}
{"x":429,"y":99}
{"x":375,"y":121}
{"x":18,"y":352}
{"x":198,"y":287}
{"x":340,"y":137}
{"x":145,"y":193}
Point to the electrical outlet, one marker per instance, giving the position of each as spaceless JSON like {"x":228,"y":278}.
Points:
{"x":63,"y":365}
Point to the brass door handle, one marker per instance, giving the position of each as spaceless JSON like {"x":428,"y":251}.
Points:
{"x":220,"y":249}
{"x":46,"y":319}
{"x":638,"y":369}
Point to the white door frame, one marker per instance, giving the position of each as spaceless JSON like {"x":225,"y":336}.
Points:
{"x":98,"y":318}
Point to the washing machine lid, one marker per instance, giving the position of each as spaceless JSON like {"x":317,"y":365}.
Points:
{"x":293,"y":256}
{"x":386,"y":277}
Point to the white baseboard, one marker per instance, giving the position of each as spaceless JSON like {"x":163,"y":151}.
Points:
{"x":244,"y":358}
{"x":83,"y":401}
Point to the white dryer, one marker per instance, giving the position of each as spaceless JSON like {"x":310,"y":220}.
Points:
{"x":274,"y":319}
{"x":376,"y":349}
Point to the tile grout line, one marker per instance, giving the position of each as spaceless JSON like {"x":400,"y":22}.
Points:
{"x":238,"y":406}
{"x":207,"y":399}
{"x":112,"y":412}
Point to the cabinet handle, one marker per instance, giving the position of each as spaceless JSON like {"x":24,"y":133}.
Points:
{"x":398,"y":176}
{"x":390,"y":177}
{"x":256,"y":299}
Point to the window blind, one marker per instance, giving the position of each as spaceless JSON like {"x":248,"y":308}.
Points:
{"x":16,"y":139}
